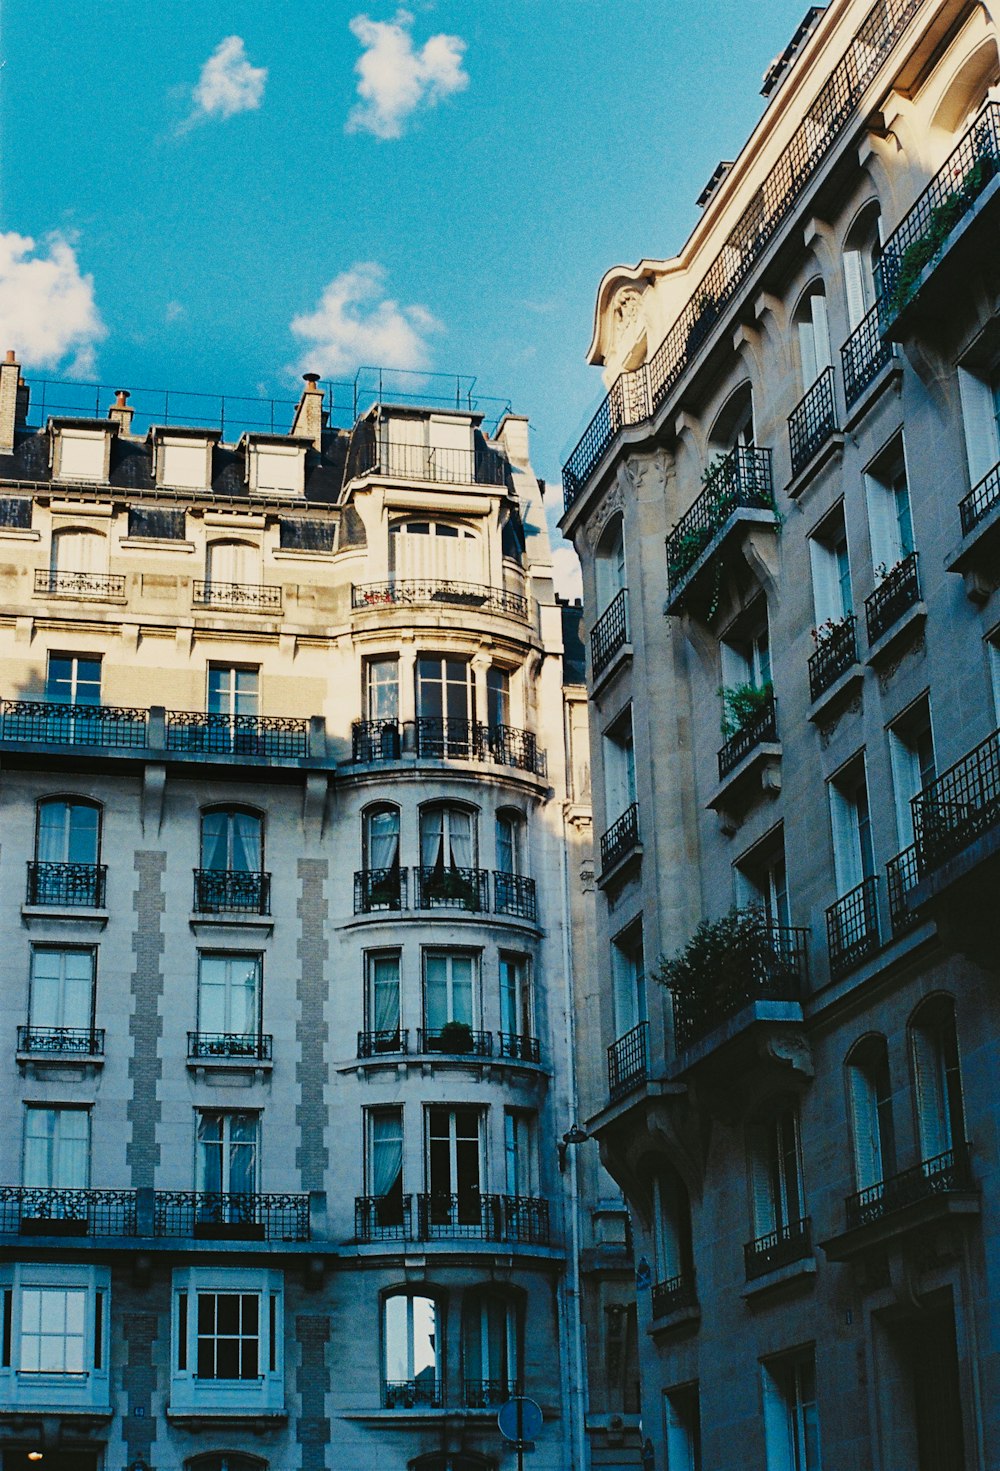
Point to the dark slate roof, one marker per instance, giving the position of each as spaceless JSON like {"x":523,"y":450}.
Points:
{"x":574,"y":654}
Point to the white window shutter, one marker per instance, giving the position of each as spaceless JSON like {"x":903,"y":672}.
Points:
{"x":821,"y":332}
{"x":826,"y":587}
{"x":883,"y":524}
{"x":761,"y":1187}
{"x":905,"y":784}
{"x":777,"y":1429}
{"x":980,"y":425}
{"x":932,"y":1113}
{"x":846,"y":841}
{"x":864,"y":1125}
{"x":807,"y":352}
{"x":854,"y":269}
{"x":735,"y":667}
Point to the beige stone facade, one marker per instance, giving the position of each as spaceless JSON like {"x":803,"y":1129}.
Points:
{"x":785,"y":508}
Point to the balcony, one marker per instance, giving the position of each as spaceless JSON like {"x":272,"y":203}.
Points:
{"x":231,"y":1046}
{"x":813,"y":421}
{"x":412,"y":1394}
{"x":375,"y":740}
{"x":742,"y":960}
{"x":896,"y":594}
{"x":738,"y":490}
{"x":212,"y":733}
{"x":836,"y":654}
{"x":621,"y":841}
{"x":441,"y":738}
{"x":237,"y":597}
{"x":489,"y":1394}
{"x":674,"y":1295}
{"x":628,"y":1062}
{"x":231,"y":891}
{"x":521,"y":1220}
{"x":980,"y":501}
{"x":514,"y":894}
{"x":762,"y":729}
{"x":852,"y":928}
{"x":479,"y":466}
{"x":60,"y":1042}
{"x":517,"y":1048}
{"x":390,"y":1042}
{"x":67,"y":885}
{"x":377,"y":890}
{"x":975,"y":556}
{"x":609,"y":634}
{"x":211,"y":1214}
{"x":383,"y":1217}
{"x":927,"y":235}
{"x":439,"y":887}
{"x":455,"y":1039}
{"x":961,"y":807}
{"x":863,"y":356}
{"x":902,"y":874}
{"x":84,"y":587}
{"x":779,"y":1248}
{"x":948,"y":1173}
{"x":404,"y":592}
{"x":73,"y":725}
{"x":29,"y":1211}
{"x":637,"y":395}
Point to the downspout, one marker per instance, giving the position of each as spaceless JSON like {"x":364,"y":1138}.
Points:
{"x":578,"y":1386}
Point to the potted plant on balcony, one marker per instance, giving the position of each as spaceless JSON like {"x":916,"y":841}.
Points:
{"x":450,"y":886}
{"x":743,"y":705}
{"x":943,"y":219}
{"x":455,"y":1037}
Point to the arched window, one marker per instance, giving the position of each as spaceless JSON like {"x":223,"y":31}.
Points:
{"x":510,"y":833}
{"x":381,"y":879}
{"x":870,"y":1094}
{"x":734,"y":425}
{"x":937,"y":1078}
{"x":232,"y":840}
{"x":491,"y":1348}
{"x":814,"y":334}
{"x":411,"y":1351}
{"x":671,"y":1226}
{"x":434,"y":551}
{"x":67,"y":853}
{"x":862,"y":249}
{"x":78,"y":551}
{"x":225,"y":1461}
{"x":232,"y":563}
{"x":609,"y":564}
{"x":447,"y":837}
{"x":777,"y":1202}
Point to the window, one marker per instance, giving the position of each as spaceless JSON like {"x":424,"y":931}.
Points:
{"x":870,"y":1098}
{"x":54,"y":1353}
{"x":382,"y":688}
{"x":211,"y":1461}
{"x":79,"y":552}
{"x":619,"y":768}
{"x":226,"y":1159}
{"x":937,"y":1078}
{"x":446,"y":700}
{"x":734,"y":426}
{"x":449,"y":989}
{"x":609,"y":565}
{"x":746,"y":650}
{"x":515,"y":996}
{"x":628,"y":976}
{"x":911,"y":752}
{"x":53,"y":1331}
{"x":380,"y":836}
{"x":791,"y":1423}
{"x":980,"y":398}
{"x":232,"y":562}
{"x":814,"y":335}
{"x":229,"y":996}
{"x":232,"y":690}
{"x":890,"y":520}
{"x":232,"y":841}
{"x":434,"y":551}
{"x":68,"y":831}
{"x":850,"y":820}
{"x":761,"y":880}
{"x":510,"y":842}
{"x":384,"y":1169}
{"x":157,"y":522}
{"x":491,"y":1332}
{"x":671,"y":1226}
{"x":411,"y":1351}
{"x":72,"y":679}
{"x":454,"y":1159}
{"x":227,"y":1339}
{"x":520,"y":1132}
{"x":682,"y":1418}
{"x":497,"y":696}
{"x":382,"y":999}
{"x":62,"y":990}
{"x":447,"y":837}
{"x":833,"y":600}
{"x":862,"y":250}
{"x":56,"y":1148}
{"x":775,"y":1171}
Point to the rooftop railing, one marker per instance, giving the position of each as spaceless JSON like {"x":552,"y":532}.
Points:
{"x":628,"y":1061}
{"x":836,"y":651}
{"x":636,"y":395}
{"x":773,"y":967}
{"x":400,"y":592}
{"x":254,"y":597}
{"x":812,"y":421}
{"x":863,"y":356}
{"x":609,"y":634}
{"x":621,"y":838}
{"x":960,"y":806}
{"x":946,"y":1174}
{"x":852,"y":928}
{"x":762,"y":728}
{"x":73,"y":725}
{"x":979,"y":502}
{"x":422,"y":462}
{"x":898,"y":591}
{"x":742,"y":481}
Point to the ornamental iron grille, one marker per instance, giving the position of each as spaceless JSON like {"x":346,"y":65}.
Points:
{"x":980,"y":501}
{"x":898,"y":591}
{"x":468,"y":1215}
{"x":769,"y":963}
{"x":67,"y":885}
{"x":609,"y":634}
{"x":946,"y":1174}
{"x":852,"y":928}
{"x":73,"y":725}
{"x":628,"y":1061}
{"x":441,"y":887}
{"x":863,"y":356}
{"x":779,"y":1248}
{"x":621,"y":838}
{"x":99,"y":586}
{"x":836,"y":652}
{"x":250,"y":1046}
{"x":488,"y":1394}
{"x":902,"y":874}
{"x":231,"y":891}
{"x":377,"y":889}
{"x":407,"y":1394}
{"x":402,"y":591}
{"x":742,"y":481}
{"x":514,"y":893}
{"x":763,"y":727}
{"x":241,"y":1217}
{"x":254,"y":597}
{"x":812,"y":421}
{"x":392,"y":1042}
{"x":525,"y":1219}
{"x":961,"y":805}
{"x":674,"y":1295}
{"x":375,"y":740}
{"x":61,"y":1041}
{"x":214,"y":734}
{"x":456,"y":1039}
{"x":383,"y":1217}
{"x":518,"y":1048}
{"x":27,"y":1211}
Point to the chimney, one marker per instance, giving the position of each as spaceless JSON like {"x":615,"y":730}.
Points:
{"x":119,"y":412}
{"x":309,"y":416}
{"x":10,"y":400}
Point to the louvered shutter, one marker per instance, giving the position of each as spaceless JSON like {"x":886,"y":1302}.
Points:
{"x":883,"y":523}
{"x":932,"y":1114}
{"x":855,"y":266}
{"x":980,"y":425}
{"x":864,"y":1127}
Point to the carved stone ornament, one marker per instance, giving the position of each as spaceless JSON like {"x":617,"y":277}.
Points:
{"x":626,"y":316}
{"x":611,"y":505}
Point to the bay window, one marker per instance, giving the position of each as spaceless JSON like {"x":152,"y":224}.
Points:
{"x":55,"y":1342}
{"x":227,"y":1340}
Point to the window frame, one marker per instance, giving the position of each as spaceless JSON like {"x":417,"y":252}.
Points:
{"x":262,"y":1393}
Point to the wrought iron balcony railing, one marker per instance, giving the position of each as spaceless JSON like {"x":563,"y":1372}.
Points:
{"x":490,"y":1394}
{"x":389,"y":1042}
{"x":399,"y":592}
{"x":86,"y":586}
{"x":253,"y":597}
{"x":977,"y":505}
{"x":636,"y":395}
{"x":230,"y":1216}
{"x":923,"y":235}
{"x":376,"y":740}
{"x":519,"y":1048}
{"x":813,"y":420}
{"x":72,"y":725}
{"x":836,"y":651}
{"x":609,"y":634}
{"x":213,"y":733}
{"x":383,"y":1217}
{"x":674,"y":1294}
{"x":514,"y":893}
{"x":960,"y":806}
{"x":480,"y":466}
{"x":61,"y":1041}
{"x":946,"y":1174}
{"x":67,"y":885}
{"x":628,"y":1061}
{"x":470,"y":1215}
{"x":378,"y":889}
{"x":456,"y":1040}
{"x":443,"y":738}
{"x":525,"y":1219}
{"x":621,"y":838}
{"x":852,"y":929}
{"x":779,"y":1248}
{"x":762,"y":728}
{"x":452,"y":888}
{"x":509,"y":745}
{"x":775,"y":967}
{"x":39,"y":1211}
{"x":251,"y":1046}
{"x":231,"y":891}
{"x":863,"y":356}
{"x":898,"y":591}
{"x":902,"y":874}
{"x":742,"y":481}
{"x":409,"y":1394}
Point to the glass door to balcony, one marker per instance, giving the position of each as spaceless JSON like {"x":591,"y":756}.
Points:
{"x":62,"y":998}
{"x":449,"y":991}
{"x":229,"y":1000}
{"x":385,"y":1165}
{"x":454,"y":1159}
{"x":446,"y":707}
{"x":226,"y":1167}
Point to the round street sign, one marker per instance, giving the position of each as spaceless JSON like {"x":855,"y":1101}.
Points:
{"x":519,"y":1419}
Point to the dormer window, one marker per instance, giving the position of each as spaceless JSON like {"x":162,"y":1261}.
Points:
{"x":275,"y":464}
{"x":182,"y":458}
{"x":428,"y":447}
{"x":81,"y":449}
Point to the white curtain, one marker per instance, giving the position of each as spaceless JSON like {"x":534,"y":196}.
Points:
{"x":387,"y":1151}
{"x":383,"y":838}
{"x":385,"y":992}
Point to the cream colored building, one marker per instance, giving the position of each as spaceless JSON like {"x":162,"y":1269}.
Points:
{"x":295,"y":809}
{"x":786,"y":508}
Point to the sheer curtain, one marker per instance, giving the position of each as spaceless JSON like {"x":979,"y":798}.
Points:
{"x":387,"y":1153}
{"x":385,"y":993}
{"x":231,"y":841}
{"x":383,"y":838}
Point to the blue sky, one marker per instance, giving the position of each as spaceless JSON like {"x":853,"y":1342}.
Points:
{"x":181,"y":181}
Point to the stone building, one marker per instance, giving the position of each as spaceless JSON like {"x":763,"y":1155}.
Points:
{"x":787,"y":511}
{"x":294,"y":809}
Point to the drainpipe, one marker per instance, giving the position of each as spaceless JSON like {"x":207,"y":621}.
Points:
{"x":578,"y":1386}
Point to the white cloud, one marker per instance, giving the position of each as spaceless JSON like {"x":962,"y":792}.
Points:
{"x":47,"y":307}
{"x":228,"y":84}
{"x":566,"y":574}
{"x":395,"y":79}
{"x":355,"y":323}
{"x":174,"y":311}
